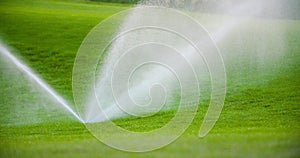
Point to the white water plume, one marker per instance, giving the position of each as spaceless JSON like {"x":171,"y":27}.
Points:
{"x":222,"y":28}
{"x":42,"y":93}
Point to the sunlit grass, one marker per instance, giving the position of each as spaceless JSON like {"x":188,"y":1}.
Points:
{"x":258,"y":120}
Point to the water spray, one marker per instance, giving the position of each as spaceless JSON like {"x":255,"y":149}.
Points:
{"x":29,"y":73}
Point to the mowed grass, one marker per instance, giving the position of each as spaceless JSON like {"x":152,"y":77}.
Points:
{"x":258,"y":120}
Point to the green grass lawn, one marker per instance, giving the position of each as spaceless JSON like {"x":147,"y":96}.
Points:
{"x":259,"y":119}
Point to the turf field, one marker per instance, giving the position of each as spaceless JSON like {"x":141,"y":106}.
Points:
{"x":259,"y":119}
